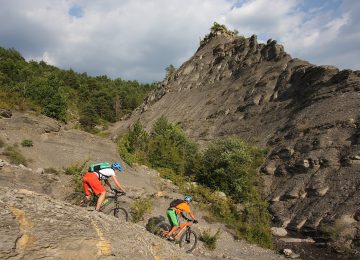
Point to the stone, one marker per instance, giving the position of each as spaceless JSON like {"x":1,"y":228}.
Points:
{"x":290,"y":254}
{"x":279,"y":231}
{"x":270,"y":168}
{"x":322,"y":191}
{"x":39,"y":171}
{"x":297,"y":240}
{"x":220,"y":194}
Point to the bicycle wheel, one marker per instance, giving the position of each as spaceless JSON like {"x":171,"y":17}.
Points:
{"x":188,"y":241}
{"x":161,"y":227}
{"x":121,"y":213}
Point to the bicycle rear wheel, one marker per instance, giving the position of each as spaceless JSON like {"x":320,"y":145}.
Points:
{"x":161,"y":227}
{"x":188,"y":241}
{"x":121,"y":213}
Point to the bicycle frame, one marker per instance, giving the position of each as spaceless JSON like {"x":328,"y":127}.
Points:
{"x":183,"y":227}
{"x":115,"y":197}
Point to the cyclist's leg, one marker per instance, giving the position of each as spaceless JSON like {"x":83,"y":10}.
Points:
{"x":86,"y":185}
{"x":97,"y":187}
{"x":173,"y":219}
{"x":100,"y":200}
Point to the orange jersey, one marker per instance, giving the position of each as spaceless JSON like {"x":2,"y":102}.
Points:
{"x":182,"y":207}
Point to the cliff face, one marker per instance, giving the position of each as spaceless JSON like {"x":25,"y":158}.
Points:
{"x":307,"y":115}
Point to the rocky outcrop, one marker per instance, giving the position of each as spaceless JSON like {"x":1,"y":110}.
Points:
{"x":55,"y":145}
{"x":307,"y":115}
{"x":35,"y":226}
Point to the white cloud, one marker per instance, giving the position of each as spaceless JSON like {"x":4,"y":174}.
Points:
{"x":139,"y":39}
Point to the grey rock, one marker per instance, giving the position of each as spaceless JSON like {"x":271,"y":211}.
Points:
{"x":279,"y":231}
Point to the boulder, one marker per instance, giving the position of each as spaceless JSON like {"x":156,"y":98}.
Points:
{"x":279,"y":231}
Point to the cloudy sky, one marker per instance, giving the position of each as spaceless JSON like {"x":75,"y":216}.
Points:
{"x":134,"y":39}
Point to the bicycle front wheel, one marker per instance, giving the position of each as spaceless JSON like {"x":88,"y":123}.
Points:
{"x":121,"y":213}
{"x":188,"y":241}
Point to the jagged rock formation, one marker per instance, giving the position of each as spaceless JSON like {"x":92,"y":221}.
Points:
{"x":307,"y":115}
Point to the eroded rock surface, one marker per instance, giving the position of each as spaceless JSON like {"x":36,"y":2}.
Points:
{"x":36,"y":226}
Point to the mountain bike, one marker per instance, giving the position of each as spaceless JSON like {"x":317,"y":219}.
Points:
{"x":110,"y":206}
{"x":185,"y":236}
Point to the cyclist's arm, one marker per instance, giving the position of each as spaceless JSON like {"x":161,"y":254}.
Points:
{"x":186,"y":218}
{"x":108,"y":183}
{"x":117,"y":183}
{"x":192,"y":215}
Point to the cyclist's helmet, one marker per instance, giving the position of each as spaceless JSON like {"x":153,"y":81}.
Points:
{"x":116,"y":165}
{"x":188,"y":198}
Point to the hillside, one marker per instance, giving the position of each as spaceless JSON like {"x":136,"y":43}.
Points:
{"x":89,"y":103}
{"x":307,"y":116}
{"x":37,"y":223}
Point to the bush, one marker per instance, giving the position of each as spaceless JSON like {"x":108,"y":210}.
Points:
{"x":26,"y":143}
{"x":230,"y":165}
{"x":15,"y":156}
{"x":139,"y":208}
{"x":77,"y":170}
{"x":210,"y":240}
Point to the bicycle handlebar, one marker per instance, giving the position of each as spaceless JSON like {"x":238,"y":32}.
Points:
{"x":190,"y":220}
{"x":118,"y":193}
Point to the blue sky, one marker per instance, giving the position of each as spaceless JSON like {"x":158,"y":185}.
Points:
{"x":135,"y":39}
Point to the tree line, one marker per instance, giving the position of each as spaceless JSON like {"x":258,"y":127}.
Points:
{"x":66,"y":95}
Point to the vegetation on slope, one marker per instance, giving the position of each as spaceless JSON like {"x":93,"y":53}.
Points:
{"x":64,"y":94}
{"x":228,"y":165}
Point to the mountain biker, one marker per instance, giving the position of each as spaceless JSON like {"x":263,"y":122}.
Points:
{"x":93,"y":180}
{"x":173,"y":214}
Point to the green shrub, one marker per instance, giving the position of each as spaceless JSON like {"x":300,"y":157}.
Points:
{"x":210,"y":240}
{"x":77,"y":170}
{"x":169,"y":174}
{"x":26,"y":143}
{"x":15,"y":156}
{"x":230,"y":165}
{"x":139,"y":208}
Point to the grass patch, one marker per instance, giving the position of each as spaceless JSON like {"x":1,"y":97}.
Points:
{"x":15,"y":156}
{"x":27,"y":143}
{"x":210,"y":240}
{"x":139,"y":208}
{"x":2,"y":143}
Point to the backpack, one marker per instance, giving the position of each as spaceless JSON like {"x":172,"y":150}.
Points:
{"x":96,"y":167}
{"x":175,"y":202}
